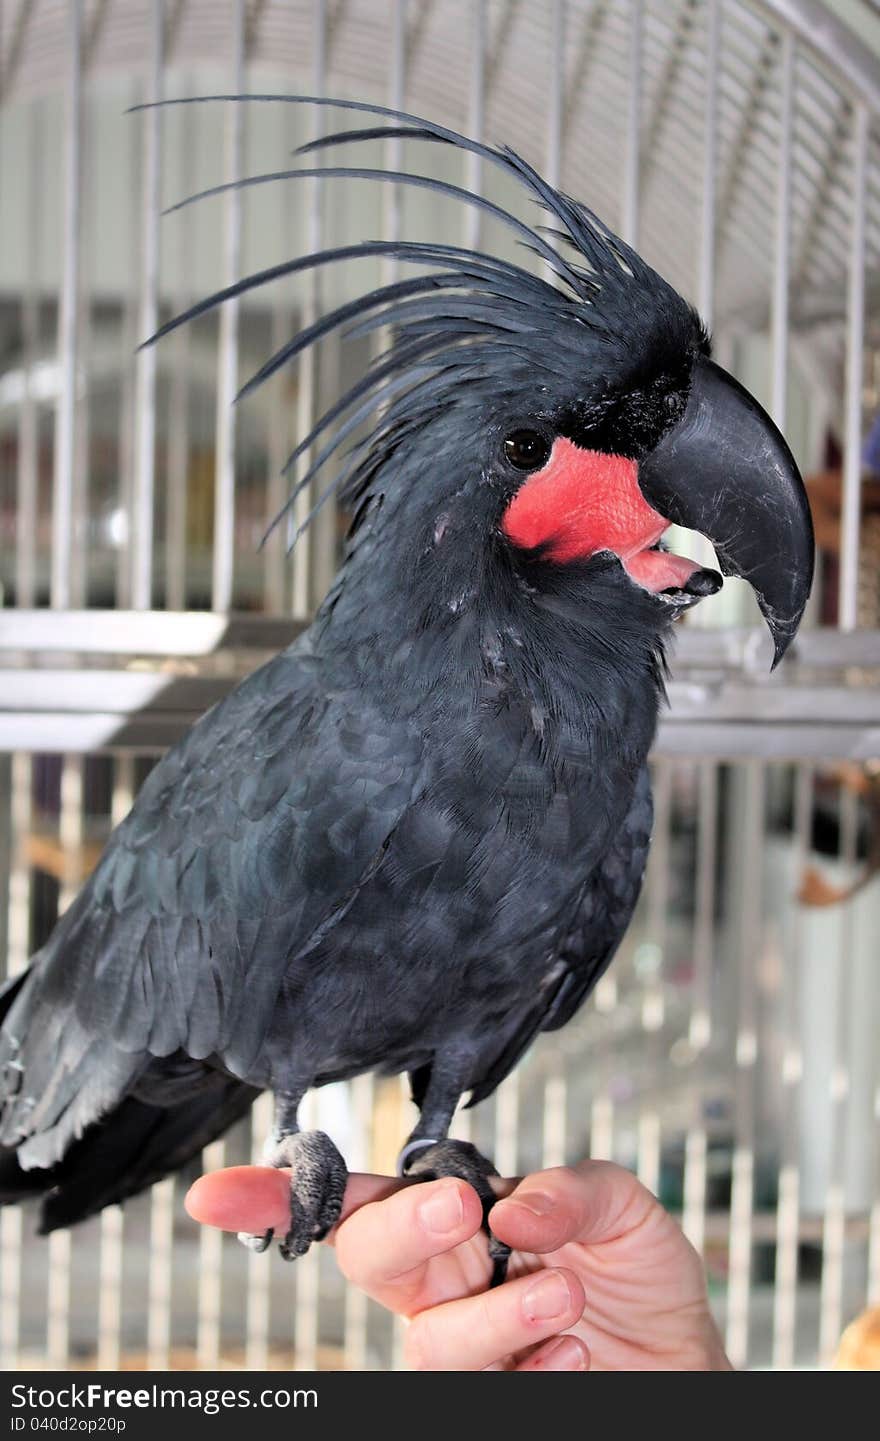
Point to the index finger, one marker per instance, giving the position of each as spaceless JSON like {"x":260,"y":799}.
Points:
{"x":257,"y":1198}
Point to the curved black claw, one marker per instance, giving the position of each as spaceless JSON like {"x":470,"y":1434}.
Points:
{"x":317,"y":1187}
{"x":257,"y":1244}
{"x":461,"y":1159}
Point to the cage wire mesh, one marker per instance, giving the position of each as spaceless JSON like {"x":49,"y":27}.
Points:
{"x":729,"y":1054}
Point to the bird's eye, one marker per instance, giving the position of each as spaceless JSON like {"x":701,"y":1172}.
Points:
{"x":527,"y":449}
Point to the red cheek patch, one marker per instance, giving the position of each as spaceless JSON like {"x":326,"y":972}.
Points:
{"x":583,"y":501}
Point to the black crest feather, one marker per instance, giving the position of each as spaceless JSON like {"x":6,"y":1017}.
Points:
{"x":460,"y":320}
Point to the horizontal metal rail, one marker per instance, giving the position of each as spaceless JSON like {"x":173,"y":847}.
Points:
{"x":134,"y":680}
{"x":194,"y":633}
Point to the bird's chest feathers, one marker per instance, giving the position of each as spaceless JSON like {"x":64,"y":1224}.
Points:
{"x":530,"y":748}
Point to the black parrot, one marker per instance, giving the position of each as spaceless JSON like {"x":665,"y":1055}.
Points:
{"x":415,"y":838}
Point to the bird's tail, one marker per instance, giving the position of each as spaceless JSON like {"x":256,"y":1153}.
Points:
{"x":130,"y":1148}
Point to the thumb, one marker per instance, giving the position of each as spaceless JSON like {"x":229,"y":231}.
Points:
{"x":591,"y":1203}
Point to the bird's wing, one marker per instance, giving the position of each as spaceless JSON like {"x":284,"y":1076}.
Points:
{"x":605,"y":909}
{"x":589,"y":941}
{"x":245,"y":839}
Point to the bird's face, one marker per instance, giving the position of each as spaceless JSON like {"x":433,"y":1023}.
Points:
{"x":569,"y":472}
{"x":602,"y":478}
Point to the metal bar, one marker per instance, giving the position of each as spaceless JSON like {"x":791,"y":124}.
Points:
{"x":555,"y":93}
{"x":394,"y":146}
{"x":57,"y":689}
{"x":602,"y":1109}
{"x":28,"y":477}
{"x":739,"y":1288}
{"x":392,"y":197}
{"x":259,"y":1273}
{"x":788,"y":1204}
{"x":110,"y":1262}
{"x":68,"y":323}
{"x":210,"y":1276}
{"x":602,"y":1112}
{"x":18,"y":953}
{"x":507,"y":1126}
{"x":306,"y":1305}
{"x":873,"y":1286}
{"x":278,"y":447}
{"x":700,"y":1027}
{"x":110,"y":1289}
{"x":706,"y":273}
{"x":142,"y":512}
{"x":161,"y":1268}
{"x":836,"y":741}
{"x":741,"y":651}
{"x":227,"y":363}
{"x":398,"y":1332}
{"x":154,"y":730}
{"x":139,"y":633}
{"x":700,"y":1031}
{"x":10,"y":1286}
{"x":355,"y":1342}
{"x":476,"y":117}
{"x":782,"y":240}
{"x":7,"y":852}
{"x":653,"y":1004}
{"x":309,"y":363}
{"x":834,"y":1228}
{"x":70,"y":836}
{"x":554,"y":1128}
{"x":180,"y":401}
{"x":629,"y":228}
{"x":852,"y":460}
{"x":129,"y":339}
{"x":80,"y":496}
{"x":652,"y":998}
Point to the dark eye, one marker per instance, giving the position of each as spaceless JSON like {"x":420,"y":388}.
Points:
{"x":527,"y":449}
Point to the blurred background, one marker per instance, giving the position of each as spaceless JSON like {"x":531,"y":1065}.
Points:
{"x":730,"y":1056}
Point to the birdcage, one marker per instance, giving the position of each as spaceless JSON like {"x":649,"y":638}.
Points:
{"x":729,"y":1055}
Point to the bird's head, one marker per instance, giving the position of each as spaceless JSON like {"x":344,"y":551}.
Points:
{"x":561,"y":421}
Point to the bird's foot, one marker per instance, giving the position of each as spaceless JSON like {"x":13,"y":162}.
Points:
{"x":430,"y":1160}
{"x":317,"y":1187}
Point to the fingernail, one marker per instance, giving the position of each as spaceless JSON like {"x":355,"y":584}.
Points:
{"x":538,"y":1202}
{"x":567,"y":1354}
{"x":547,"y":1297}
{"x":442,"y":1211}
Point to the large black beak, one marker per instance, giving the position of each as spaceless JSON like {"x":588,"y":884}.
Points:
{"x":725,"y":471}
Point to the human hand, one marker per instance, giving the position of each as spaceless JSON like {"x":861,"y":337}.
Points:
{"x":601,"y":1276}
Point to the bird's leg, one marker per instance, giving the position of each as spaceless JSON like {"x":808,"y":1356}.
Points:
{"x":317,"y":1185}
{"x":429,"y":1154}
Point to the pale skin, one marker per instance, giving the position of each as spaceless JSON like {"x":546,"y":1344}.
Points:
{"x":601,"y":1277}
